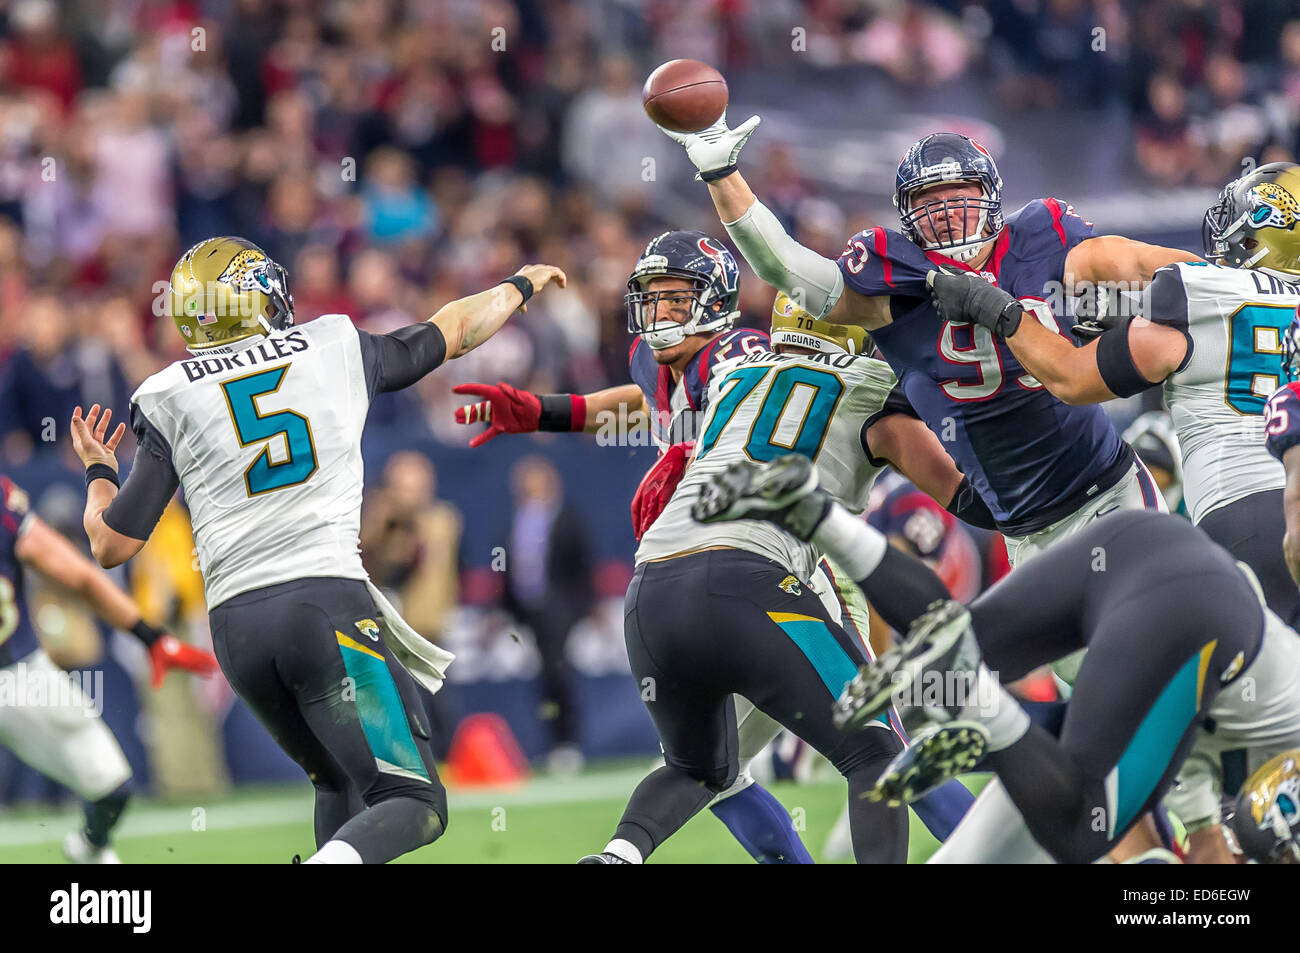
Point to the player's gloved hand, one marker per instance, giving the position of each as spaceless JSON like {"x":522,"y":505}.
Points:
{"x":504,"y":408}
{"x":169,"y":652}
{"x":1096,"y":327}
{"x":969,"y":297}
{"x":714,"y":150}
{"x":657,"y":486}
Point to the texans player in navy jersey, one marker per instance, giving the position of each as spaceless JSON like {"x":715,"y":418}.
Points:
{"x":62,"y":735}
{"x":1044,"y":468}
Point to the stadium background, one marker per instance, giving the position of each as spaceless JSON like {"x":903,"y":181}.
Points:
{"x":395,"y":155}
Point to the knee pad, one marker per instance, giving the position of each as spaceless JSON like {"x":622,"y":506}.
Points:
{"x":872,"y":748}
{"x":716,"y":780}
{"x":743,"y":780}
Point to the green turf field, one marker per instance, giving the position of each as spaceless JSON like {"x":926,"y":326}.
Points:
{"x":547,"y":820}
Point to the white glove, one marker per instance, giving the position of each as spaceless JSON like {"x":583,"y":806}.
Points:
{"x":716,"y":147}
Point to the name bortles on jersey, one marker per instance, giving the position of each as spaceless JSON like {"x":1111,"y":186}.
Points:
{"x":1235,"y":311}
{"x":769,"y":404}
{"x":262,"y":426}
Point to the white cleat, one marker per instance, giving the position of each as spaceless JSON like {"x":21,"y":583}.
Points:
{"x":78,"y":850}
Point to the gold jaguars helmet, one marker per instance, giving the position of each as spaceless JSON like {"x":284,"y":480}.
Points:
{"x":1266,"y":820}
{"x":226,"y":289}
{"x":795,"y":327}
{"x":1254,"y":224}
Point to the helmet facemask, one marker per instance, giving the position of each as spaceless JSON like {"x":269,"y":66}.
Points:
{"x":642,"y":305}
{"x":935,"y":213}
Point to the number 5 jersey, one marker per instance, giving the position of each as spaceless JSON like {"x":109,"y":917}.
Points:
{"x":265,"y":439}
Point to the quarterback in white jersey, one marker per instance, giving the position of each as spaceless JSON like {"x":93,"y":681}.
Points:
{"x":262,"y":430}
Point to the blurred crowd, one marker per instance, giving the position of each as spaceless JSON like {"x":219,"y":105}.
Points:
{"x":395,"y":154}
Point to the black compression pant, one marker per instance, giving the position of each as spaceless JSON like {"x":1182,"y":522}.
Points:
{"x":1164,"y":617}
{"x":338,"y":703}
{"x":700,"y":628}
{"x":1251,"y":529}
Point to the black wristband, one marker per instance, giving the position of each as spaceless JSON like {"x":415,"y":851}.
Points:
{"x":716,"y":174}
{"x":1008,"y":321}
{"x":101,"y":471}
{"x":1115,"y":364}
{"x":522,"y":284}
{"x":147,"y":633}
{"x":557,"y":413}
{"x":969,"y":507}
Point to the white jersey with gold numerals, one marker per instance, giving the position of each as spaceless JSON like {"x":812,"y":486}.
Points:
{"x":1235,"y":319}
{"x":266,"y":441}
{"x":764,"y":406}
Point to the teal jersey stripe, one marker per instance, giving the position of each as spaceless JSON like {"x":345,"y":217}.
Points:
{"x":1148,"y":753}
{"x":383,"y":717}
{"x":819,"y":646}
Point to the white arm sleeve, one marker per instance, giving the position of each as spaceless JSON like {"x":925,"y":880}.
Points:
{"x":814,"y":282}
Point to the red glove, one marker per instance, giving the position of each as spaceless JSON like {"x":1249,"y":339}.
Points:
{"x":170,"y":652}
{"x":657,"y":486}
{"x":506,"y":410}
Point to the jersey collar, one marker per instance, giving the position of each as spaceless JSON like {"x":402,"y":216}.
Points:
{"x":992,"y":267}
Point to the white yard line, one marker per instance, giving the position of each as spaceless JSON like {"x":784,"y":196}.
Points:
{"x":294,"y":807}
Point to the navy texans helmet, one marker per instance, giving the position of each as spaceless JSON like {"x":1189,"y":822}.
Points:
{"x":949,"y":157}
{"x":699,"y":259}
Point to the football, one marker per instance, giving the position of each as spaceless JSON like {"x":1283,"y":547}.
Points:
{"x":684,"y":95}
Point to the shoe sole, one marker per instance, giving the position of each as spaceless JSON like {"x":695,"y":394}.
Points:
{"x":872,"y":691}
{"x":777,"y":485}
{"x":934,"y":758}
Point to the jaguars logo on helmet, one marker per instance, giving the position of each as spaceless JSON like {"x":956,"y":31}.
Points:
{"x":792,"y":326}
{"x":949,"y":157}
{"x":1253,"y":224}
{"x":226,"y":289}
{"x":715,"y":282}
{"x":1266,"y":820}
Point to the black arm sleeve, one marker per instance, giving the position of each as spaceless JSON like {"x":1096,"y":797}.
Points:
{"x":969,"y":507}
{"x":1116,"y":366}
{"x":901,"y":588}
{"x":895,"y":403}
{"x":148,"y":489}
{"x":400,"y":358}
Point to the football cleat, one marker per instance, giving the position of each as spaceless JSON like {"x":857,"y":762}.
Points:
{"x":784,"y":492}
{"x":942,"y":640}
{"x":935,"y":757}
{"x":602,"y":858}
{"x":78,"y":850}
